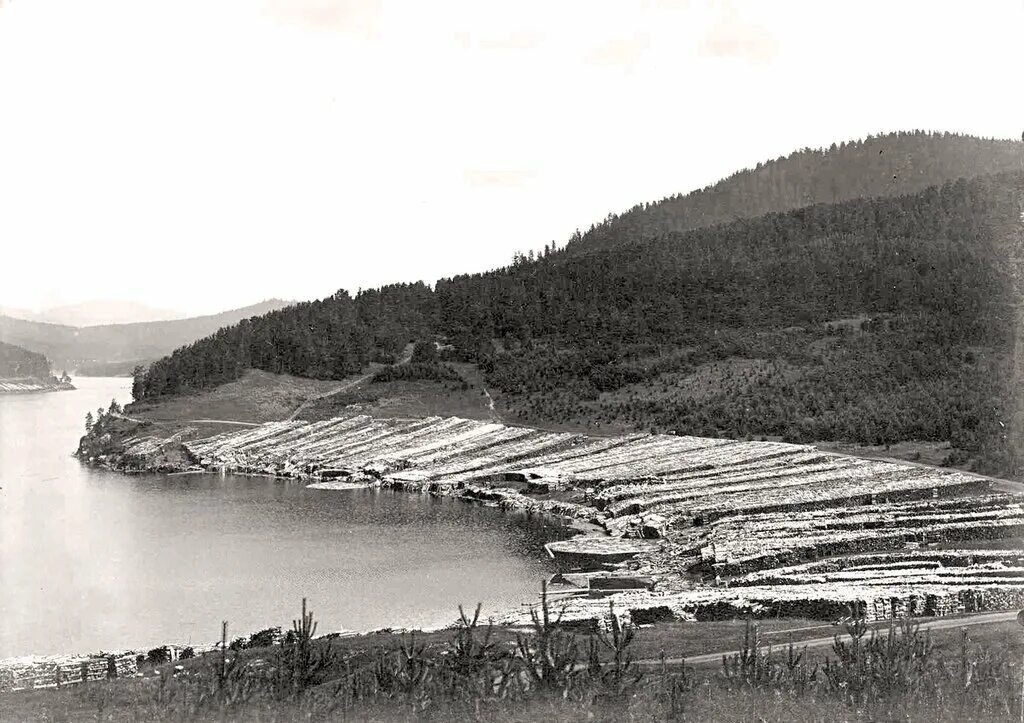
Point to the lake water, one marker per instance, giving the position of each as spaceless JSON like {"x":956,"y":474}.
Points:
{"x":94,"y":560}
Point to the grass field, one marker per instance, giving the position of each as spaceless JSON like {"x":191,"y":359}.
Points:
{"x":945,"y":675}
{"x":404,"y":399}
{"x":256,"y":397}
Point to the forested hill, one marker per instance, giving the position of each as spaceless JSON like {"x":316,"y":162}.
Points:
{"x":18,"y":363}
{"x":873,"y":321}
{"x":884,"y":165}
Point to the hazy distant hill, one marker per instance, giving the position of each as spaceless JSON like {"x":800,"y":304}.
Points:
{"x":91,"y":348}
{"x":885,"y":165}
{"x":94,"y":313}
{"x":18,"y":363}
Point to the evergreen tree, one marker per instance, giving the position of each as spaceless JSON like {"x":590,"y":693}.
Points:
{"x":138,"y":382}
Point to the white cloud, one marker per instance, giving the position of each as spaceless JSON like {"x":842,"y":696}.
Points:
{"x":734,"y":37}
{"x":622,"y":52}
{"x":360,"y":17}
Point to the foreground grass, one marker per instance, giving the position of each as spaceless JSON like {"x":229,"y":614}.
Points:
{"x":476,"y":672}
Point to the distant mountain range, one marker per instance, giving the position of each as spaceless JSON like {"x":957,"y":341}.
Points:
{"x":95,"y":313}
{"x":116,"y":348}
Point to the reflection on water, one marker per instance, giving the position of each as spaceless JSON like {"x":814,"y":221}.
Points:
{"x":92,"y":559}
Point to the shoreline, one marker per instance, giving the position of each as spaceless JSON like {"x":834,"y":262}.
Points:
{"x":672,"y":527}
{"x":579,"y":527}
{"x":19,"y":386}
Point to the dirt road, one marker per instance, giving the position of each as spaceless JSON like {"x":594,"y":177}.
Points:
{"x":825,"y":642}
{"x":201,"y":421}
{"x":340,"y":388}
{"x":406,"y":357}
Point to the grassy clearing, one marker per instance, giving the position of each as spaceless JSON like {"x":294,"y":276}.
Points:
{"x":256,"y":397}
{"x":404,"y":399}
{"x":923,"y":452}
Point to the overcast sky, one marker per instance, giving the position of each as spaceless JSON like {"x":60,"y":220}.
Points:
{"x":204,"y":154}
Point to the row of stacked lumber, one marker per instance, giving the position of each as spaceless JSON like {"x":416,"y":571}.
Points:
{"x":449,"y":450}
{"x":785,"y":481}
{"x":14,"y":386}
{"x":692,"y":479}
{"x":821,"y":601}
{"x":952,"y":567}
{"x":139,"y":450}
{"x":743,"y":543}
{"x":55,"y":671}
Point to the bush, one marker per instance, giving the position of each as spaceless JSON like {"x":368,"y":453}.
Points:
{"x":300,"y":661}
{"x":425,"y":352}
{"x":417,"y":371}
{"x":264,"y":638}
{"x":550,"y":652}
{"x":158,"y":656}
{"x":955,"y":458}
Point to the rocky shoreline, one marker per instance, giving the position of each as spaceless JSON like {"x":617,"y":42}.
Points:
{"x":123,"y":446}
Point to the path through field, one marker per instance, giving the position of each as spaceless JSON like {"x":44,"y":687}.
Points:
{"x":406,"y":356}
{"x":825,"y":642}
{"x":341,"y":388}
{"x":197,"y":421}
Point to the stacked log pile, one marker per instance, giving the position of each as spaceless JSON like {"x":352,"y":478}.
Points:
{"x":958,"y":567}
{"x":780,"y":486}
{"x":744,"y":543}
{"x":676,"y":476}
{"x":56,"y":671}
{"x":143,"y":452}
{"x":815,"y":602}
{"x":16,"y":386}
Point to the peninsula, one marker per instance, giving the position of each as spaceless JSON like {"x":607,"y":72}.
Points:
{"x":24,"y":371}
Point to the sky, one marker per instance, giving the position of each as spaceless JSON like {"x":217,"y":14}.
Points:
{"x":199,"y":155}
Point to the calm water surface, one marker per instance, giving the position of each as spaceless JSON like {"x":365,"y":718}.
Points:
{"x":92,"y":559}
